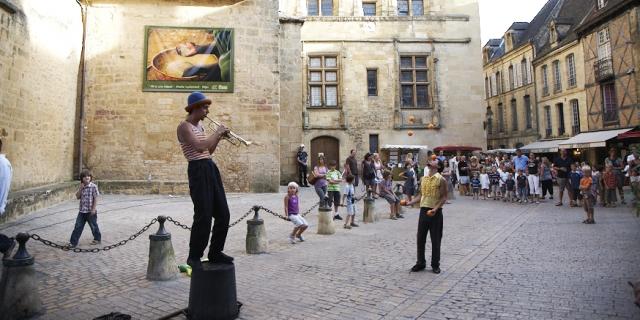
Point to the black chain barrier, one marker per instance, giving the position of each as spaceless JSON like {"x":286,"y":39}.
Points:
{"x":241,"y":218}
{"x":175,"y":222}
{"x":306,"y":212}
{"x":275,"y":214}
{"x":93,"y":250}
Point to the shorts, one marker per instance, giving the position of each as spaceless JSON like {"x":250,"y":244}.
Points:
{"x":464,"y":179}
{"x":351,"y":209}
{"x":391,"y":198}
{"x":298,"y":220}
{"x":588,"y":201}
{"x":562,"y":184}
{"x":409,"y":190}
{"x":334,"y":197}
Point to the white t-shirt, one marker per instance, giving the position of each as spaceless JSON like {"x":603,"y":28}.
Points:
{"x":350,"y":192}
{"x":5,"y":181}
{"x":503,"y":177}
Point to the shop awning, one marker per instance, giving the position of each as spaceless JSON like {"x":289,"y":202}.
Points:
{"x":404,"y":146}
{"x":592,"y":139}
{"x":543,"y":146}
{"x":494,"y":151}
{"x":456,"y":148}
{"x":629,"y":135}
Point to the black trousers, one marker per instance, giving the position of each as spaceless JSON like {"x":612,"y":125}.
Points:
{"x":302,"y":175}
{"x":547,"y":186}
{"x":209,"y":202}
{"x":433,"y":226}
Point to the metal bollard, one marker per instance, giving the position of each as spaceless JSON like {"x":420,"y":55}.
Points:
{"x":256,"y":241}
{"x":19,"y":297}
{"x":369,"y":211}
{"x":162,"y":259}
{"x":325,"y":221}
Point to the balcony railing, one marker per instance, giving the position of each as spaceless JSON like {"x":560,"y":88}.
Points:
{"x":603,"y":69}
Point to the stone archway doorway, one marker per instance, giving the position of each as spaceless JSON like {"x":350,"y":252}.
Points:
{"x":329,"y":146}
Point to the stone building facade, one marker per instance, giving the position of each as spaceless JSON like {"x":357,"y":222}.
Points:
{"x":60,"y":114}
{"x":510,"y":118}
{"x":379,"y":73}
{"x":38,"y":81}
{"x":131,"y":135}
{"x":77,"y":102}
{"x":560,"y":75}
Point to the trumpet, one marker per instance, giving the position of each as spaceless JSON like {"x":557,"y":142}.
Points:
{"x":231,"y":136}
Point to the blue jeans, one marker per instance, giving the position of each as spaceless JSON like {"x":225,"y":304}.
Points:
{"x":522,"y":193}
{"x":85,"y":217}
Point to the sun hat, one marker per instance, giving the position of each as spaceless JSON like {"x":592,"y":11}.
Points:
{"x":196,"y":99}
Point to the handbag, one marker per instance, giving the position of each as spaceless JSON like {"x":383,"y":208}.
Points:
{"x":311,"y":178}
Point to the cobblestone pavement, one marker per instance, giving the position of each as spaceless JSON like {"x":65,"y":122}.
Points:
{"x":499,"y":261}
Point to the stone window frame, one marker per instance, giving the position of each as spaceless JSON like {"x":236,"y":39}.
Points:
{"x":562,"y":129}
{"x":414,"y":82}
{"x":318,"y":3}
{"x":323,"y":83}
{"x":512,"y":84}
{"x":524,"y":69}
{"x":557,"y":76}
{"x":575,"y":112}
{"x":369,"y":3}
{"x":501,"y":126}
{"x":527,"y":110}
{"x":369,"y":87}
{"x":545,"y":80}
{"x":410,"y":8}
{"x":514,"y":114}
{"x":548,"y":123}
{"x":572,"y":79}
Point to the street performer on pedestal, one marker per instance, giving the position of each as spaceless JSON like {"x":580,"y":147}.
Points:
{"x":205,"y":183}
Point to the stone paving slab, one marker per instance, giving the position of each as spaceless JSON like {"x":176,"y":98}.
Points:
{"x":499,"y":261}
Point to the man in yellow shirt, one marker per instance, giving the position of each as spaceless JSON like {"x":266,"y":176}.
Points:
{"x":433,"y":195}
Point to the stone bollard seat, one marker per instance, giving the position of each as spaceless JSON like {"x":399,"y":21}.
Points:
{"x":325,"y":221}
{"x":19,"y":297}
{"x":256,"y":241}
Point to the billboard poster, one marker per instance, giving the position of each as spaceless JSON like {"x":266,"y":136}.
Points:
{"x":188,"y":59}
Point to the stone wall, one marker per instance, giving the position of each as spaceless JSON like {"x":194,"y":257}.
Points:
{"x":448,"y":33}
{"x":290,"y":96}
{"x":131,"y":135}
{"x":564,"y":96}
{"x":40,"y":47}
